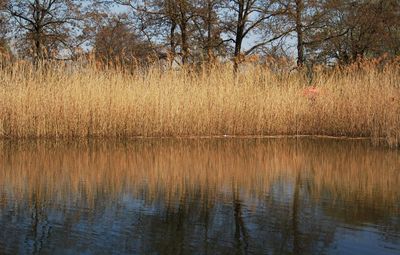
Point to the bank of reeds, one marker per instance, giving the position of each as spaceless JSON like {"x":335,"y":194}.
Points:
{"x":82,"y":101}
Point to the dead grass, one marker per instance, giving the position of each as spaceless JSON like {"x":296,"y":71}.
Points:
{"x":87,"y":102}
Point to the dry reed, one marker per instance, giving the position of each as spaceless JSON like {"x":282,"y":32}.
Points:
{"x":83,"y":101}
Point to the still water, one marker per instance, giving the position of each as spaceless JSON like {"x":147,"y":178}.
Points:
{"x":210,"y":196}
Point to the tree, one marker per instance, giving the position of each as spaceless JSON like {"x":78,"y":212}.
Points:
{"x":3,"y":31}
{"x":249,"y":18}
{"x":368,"y":28}
{"x":342,"y":31}
{"x":6,"y":54}
{"x":164,"y":22}
{"x":191,"y":30}
{"x":302,"y":19}
{"x":116,"y":43}
{"x":46,"y":26}
{"x":208,"y":29}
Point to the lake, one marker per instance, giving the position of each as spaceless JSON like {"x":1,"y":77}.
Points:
{"x":199,"y":196}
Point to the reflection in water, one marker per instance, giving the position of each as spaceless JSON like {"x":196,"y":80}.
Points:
{"x":221,"y":196}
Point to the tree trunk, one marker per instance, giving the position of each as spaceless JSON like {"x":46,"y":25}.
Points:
{"x":239,"y":35}
{"x":185,"y":48}
{"x":299,"y":32}
{"x":172,"y":42}
{"x":38,"y":54}
{"x":209,"y":30}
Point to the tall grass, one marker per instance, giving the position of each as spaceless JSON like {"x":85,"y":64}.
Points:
{"x":79,"y":102}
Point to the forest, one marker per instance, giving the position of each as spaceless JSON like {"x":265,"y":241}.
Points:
{"x":308,"y":32}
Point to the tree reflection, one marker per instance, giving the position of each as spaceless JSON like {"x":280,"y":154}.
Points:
{"x":275,"y":198}
{"x":241,"y":236}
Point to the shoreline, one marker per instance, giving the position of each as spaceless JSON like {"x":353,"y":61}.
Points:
{"x":191,"y":137}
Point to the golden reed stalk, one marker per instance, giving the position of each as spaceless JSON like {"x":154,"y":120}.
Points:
{"x":63,"y":102}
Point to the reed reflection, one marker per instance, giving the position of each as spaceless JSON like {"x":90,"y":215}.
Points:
{"x":205,"y":196}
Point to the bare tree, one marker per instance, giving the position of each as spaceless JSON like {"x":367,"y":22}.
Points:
{"x":191,"y":31}
{"x":208,"y":28}
{"x":47,"y":25}
{"x":368,"y":28}
{"x":303,"y":20}
{"x":249,"y":18}
{"x":117,"y":43}
{"x":4,"y":48}
{"x":168,"y":22}
{"x":343,"y":30}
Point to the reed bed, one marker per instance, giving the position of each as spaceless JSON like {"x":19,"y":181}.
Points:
{"x":81,"y":101}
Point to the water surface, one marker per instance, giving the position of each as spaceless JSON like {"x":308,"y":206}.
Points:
{"x":211,"y":196}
